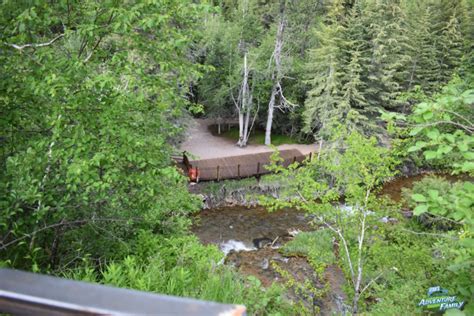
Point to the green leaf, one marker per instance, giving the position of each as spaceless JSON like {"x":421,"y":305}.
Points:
{"x":420,"y":209}
{"x":450,"y":138}
{"x":468,"y":96}
{"x":430,"y":154}
{"x":433,"y":134}
{"x":418,"y":197}
{"x":467,"y":166}
{"x":428,"y":115}
{"x":444,"y":149}
{"x":469,"y":155}
{"x":416,"y":130}
{"x":467,"y":242}
{"x":457,"y":216}
{"x":462,"y":146}
{"x":434,"y":194}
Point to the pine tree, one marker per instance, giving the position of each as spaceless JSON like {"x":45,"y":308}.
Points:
{"x":449,"y":16}
{"x":451,"y":48}
{"x":325,"y":69}
{"x":338,"y":65}
{"x":354,"y":103}
{"x":387,"y":70}
{"x":424,"y":70}
{"x":353,"y":106}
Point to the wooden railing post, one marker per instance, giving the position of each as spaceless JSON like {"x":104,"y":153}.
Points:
{"x":238,"y":171}
{"x":218,"y":172}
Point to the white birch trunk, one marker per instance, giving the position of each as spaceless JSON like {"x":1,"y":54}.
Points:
{"x":245,"y":107}
{"x":246,"y":128}
{"x":241,"y":128}
{"x":276,"y":76}
{"x":271,"y":108}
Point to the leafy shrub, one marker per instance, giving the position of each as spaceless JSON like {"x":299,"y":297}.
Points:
{"x":407,"y":266}
{"x":444,"y":195}
{"x":431,"y":182}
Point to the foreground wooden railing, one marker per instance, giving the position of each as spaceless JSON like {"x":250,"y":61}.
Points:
{"x":25,"y":293}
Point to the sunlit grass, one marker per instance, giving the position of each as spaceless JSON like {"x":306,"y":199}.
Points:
{"x":257,"y":137}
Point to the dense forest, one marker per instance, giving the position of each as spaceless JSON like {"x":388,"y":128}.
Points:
{"x":96,"y":96}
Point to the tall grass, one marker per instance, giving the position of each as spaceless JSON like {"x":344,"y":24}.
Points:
{"x":181,"y":266}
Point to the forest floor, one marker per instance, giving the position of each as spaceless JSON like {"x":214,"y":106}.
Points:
{"x":203,"y":145}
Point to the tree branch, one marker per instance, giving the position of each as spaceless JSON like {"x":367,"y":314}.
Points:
{"x":21,"y":47}
{"x":99,"y":40}
{"x":459,"y":116}
{"x":469,"y":129}
{"x":429,"y":234}
{"x":371,"y":281}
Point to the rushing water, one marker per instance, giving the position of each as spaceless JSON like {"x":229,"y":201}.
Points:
{"x":245,"y":228}
{"x":250,"y":238}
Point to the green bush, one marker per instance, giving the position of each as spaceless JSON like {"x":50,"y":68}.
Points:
{"x":408,"y":265}
{"x":431,"y":182}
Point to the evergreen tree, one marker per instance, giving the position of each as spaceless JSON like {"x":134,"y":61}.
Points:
{"x":338,"y":93}
{"x":387,"y":70}
{"x":451,"y":46}
{"x":357,"y":52}
{"x":353,"y":106}
{"x":424,"y":69}
{"x":325,"y":69}
{"x":448,"y":31}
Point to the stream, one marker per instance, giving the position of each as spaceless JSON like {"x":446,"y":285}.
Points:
{"x":250,"y":238}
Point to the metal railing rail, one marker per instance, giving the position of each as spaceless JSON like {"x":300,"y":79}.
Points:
{"x":25,"y":293}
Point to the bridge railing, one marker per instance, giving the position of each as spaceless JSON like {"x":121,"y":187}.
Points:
{"x":25,"y":293}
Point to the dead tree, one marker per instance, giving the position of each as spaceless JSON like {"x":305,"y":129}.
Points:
{"x":244,"y":106}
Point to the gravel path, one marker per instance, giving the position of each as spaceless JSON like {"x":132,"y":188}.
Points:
{"x":203,"y":145}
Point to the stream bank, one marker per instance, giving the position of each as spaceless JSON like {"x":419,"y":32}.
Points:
{"x":252,"y":238}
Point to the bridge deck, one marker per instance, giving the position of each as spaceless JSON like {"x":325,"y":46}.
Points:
{"x":241,"y":166}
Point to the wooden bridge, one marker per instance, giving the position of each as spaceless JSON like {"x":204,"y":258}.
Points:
{"x":236,"y":167}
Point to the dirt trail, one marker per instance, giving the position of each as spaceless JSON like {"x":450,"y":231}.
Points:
{"x":203,"y":145}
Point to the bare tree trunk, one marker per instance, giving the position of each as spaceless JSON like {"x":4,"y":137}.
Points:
{"x":241,"y":128}
{"x":357,"y":289}
{"x":276,"y":75}
{"x":271,"y":108}
{"x":245,"y":107}
{"x":246,"y":127}
{"x":357,"y":292}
